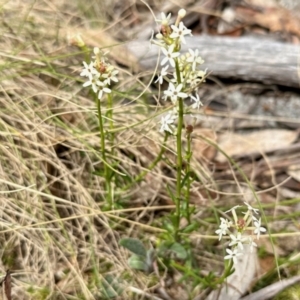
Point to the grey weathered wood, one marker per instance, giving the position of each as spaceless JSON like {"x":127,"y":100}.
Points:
{"x":246,"y":58}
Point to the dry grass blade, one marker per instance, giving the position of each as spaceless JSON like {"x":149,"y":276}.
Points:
{"x":49,"y":142}
{"x":272,"y":290}
{"x":7,"y":285}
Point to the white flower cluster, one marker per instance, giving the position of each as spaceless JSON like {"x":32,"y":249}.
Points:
{"x":240,"y":226}
{"x":186,"y":77}
{"x":99,"y":74}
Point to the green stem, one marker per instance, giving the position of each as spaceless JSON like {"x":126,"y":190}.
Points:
{"x":110,"y":118}
{"x":179,"y":157}
{"x":86,"y":51}
{"x":229,"y":269}
{"x":188,"y":182}
{"x":179,"y":164}
{"x":187,"y":271}
{"x":101,"y":129}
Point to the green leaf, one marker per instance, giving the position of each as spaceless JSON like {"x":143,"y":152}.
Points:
{"x":169,"y":227}
{"x":111,"y":287}
{"x":179,"y":250}
{"x":171,"y":194}
{"x":190,"y":228}
{"x":134,"y":245}
{"x":185,"y":178}
{"x":174,"y":220}
{"x":137,"y":262}
{"x":162,"y":248}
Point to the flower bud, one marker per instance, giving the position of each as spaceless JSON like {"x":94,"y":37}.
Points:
{"x":165,"y":30}
{"x":96,"y":50}
{"x":76,"y":40}
{"x":159,"y":36}
{"x":182,"y":13}
{"x":189,"y":129}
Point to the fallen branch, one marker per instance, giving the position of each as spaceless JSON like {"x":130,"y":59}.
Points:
{"x":245,"y":58}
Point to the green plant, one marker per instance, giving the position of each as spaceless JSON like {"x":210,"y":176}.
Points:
{"x":290,"y":293}
{"x":174,"y":249}
{"x":183,"y":84}
{"x":141,"y":259}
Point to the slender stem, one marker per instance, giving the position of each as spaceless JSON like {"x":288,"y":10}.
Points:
{"x":187,"y":271}
{"x":188,"y":182}
{"x":110,"y":118}
{"x":86,"y":53}
{"x":229,"y":269}
{"x":179,"y":156}
{"x":179,"y":159}
{"x":111,"y":137}
{"x":101,"y":129}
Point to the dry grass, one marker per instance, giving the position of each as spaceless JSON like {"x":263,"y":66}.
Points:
{"x":54,"y":235}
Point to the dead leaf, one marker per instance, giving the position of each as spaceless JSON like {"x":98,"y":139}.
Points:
{"x":294,"y":171}
{"x":267,"y":264}
{"x":240,"y":281}
{"x":201,"y":149}
{"x":254,"y":143}
{"x":272,"y":18}
{"x":262,"y":3}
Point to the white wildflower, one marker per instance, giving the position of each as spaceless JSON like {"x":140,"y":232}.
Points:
{"x":102,"y":89}
{"x":238,"y":240}
{"x":174,"y":92}
{"x":223,"y":228}
{"x":233,"y":254}
{"x":111,"y":76}
{"x":258,"y":228}
{"x":94,"y":82}
{"x":163,"y":73}
{"x":221,"y":231}
{"x":164,"y":19}
{"x":252,"y":244}
{"x":197,"y":101}
{"x":252,"y":209}
{"x":88,"y":70}
{"x":179,"y":32}
{"x":194,"y":58}
{"x":170,"y":55}
{"x":167,"y":122}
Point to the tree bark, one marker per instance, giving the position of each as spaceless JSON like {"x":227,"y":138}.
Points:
{"x":246,"y":58}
